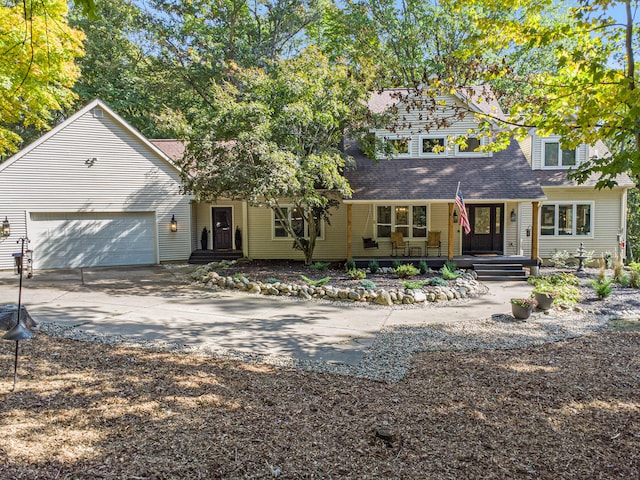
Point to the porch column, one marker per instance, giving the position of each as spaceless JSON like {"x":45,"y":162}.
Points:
{"x":349,"y":231}
{"x":450,"y":242}
{"x":534,"y":230}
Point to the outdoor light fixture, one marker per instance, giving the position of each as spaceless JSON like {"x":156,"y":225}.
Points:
{"x":6,"y":228}
{"x":528,"y":231}
{"x":455,"y":217}
{"x":514,"y":215}
{"x":18,"y":332}
{"x":174,"y":224}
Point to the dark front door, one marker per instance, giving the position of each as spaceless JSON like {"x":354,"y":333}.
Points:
{"x":486,"y":234}
{"x":222,"y":232}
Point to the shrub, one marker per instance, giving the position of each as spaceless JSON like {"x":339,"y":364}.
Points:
{"x":602,"y":287}
{"x":414,"y":285}
{"x":350,"y":264}
{"x":423,"y":267}
{"x":563,"y":286}
{"x":356,"y":273}
{"x":447,"y":273}
{"x":373,"y":266}
{"x":272,"y":280}
{"x":634,"y":274}
{"x":438,"y":281}
{"x":368,"y":285}
{"x":321,"y":266}
{"x":451,"y":265}
{"x":395,"y":264}
{"x":316,"y":283}
{"x":529,"y":303}
{"x":405,"y":271}
{"x":559,"y":258}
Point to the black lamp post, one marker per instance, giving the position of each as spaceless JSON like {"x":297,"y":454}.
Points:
{"x":18,"y":332}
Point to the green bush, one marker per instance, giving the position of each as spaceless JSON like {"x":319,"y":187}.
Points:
{"x":602,"y":287}
{"x":373,"y":266}
{"x":414,"y":285}
{"x":451,"y":265}
{"x":350,"y":264}
{"x":423,"y":267}
{"x":368,"y":285}
{"x":447,"y":273}
{"x":356,"y":273}
{"x":321,"y":266}
{"x":272,"y":280}
{"x":560,"y":258}
{"x":438,"y":282}
{"x":634,"y":274}
{"x":405,"y":271}
{"x":395,"y":264}
{"x":316,"y":283}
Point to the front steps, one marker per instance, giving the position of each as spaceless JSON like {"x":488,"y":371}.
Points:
{"x":500,"y":271}
{"x":201,"y":257}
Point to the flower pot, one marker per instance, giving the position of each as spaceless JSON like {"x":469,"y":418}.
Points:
{"x":520,"y":312}
{"x":545,"y":301}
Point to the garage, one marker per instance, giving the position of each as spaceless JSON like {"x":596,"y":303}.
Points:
{"x":72,"y":240}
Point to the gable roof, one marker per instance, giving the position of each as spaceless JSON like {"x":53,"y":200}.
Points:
{"x":172,"y":148}
{"x":479,"y":98}
{"x":87,"y":108}
{"x":504,"y":176}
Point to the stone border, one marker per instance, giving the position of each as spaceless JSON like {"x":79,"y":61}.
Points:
{"x":464,"y":286}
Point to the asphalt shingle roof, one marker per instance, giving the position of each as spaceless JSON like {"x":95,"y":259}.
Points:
{"x":504,"y":176}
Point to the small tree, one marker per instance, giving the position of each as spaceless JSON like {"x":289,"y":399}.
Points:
{"x":272,"y":138}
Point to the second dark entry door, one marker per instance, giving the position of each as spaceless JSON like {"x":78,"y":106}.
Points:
{"x":486,"y":234}
{"x":222,"y":231}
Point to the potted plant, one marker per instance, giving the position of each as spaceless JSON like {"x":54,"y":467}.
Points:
{"x":544,"y":295}
{"x":521,"y":308}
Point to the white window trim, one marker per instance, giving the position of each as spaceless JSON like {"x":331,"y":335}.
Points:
{"x":574,"y":204}
{"x":560,"y":149}
{"x":483,"y":142}
{"x":393,"y":219}
{"x":386,"y":138}
{"x":445,"y":153}
{"x":288,"y":238}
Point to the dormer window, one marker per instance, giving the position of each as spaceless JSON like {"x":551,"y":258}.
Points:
{"x":473,"y":144}
{"x":400,"y":146}
{"x":556,"y":157}
{"x":433,"y":145}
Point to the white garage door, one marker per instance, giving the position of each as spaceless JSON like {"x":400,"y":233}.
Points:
{"x":72,"y":240}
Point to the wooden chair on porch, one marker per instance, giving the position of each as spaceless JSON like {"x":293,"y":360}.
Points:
{"x":433,"y":241}
{"x":398,"y":243}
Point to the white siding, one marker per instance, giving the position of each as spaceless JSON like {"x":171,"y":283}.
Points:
{"x":126,"y":176}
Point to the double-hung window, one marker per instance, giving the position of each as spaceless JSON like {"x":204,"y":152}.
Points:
{"x":473,"y":144}
{"x":298,"y":224}
{"x":562,"y":219}
{"x":400,"y":146}
{"x":411,"y":220}
{"x":432,"y":146}
{"x":556,"y":157}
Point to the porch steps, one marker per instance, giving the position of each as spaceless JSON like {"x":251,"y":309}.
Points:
{"x":500,"y":271}
{"x":201,"y":257}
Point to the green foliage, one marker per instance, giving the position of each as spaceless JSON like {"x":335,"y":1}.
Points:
{"x":238,"y":276}
{"x":415,"y":285}
{"x":525,"y":302}
{"x":563,"y":287}
{"x":423,"y":267}
{"x":37,"y":67}
{"x":634,"y":274}
{"x":405,"y":271}
{"x":316,"y":283}
{"x":451,"y":265}
{"x":447,"y":273}
{"x":271,"y":280}
{"x":395,"y":264}
{"x":438,"y":282}
{"x":368,"y":285}
{"x":373,"y":266}
{"x":618,"y":271}
{"x":602,"y":287}
{"x":350,"y":264}
{"x":321,"y":266}
{"x":560,"y":258}
{"x":356,"y":273}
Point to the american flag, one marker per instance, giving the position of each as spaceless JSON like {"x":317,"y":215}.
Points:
{"x":464,"y":218}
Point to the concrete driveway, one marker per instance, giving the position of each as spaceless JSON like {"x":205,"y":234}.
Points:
{"x":150,"y":304}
